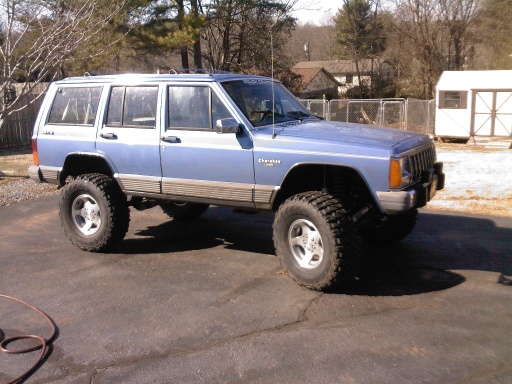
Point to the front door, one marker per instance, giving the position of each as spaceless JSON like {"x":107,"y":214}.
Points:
{"x":199,"y":164}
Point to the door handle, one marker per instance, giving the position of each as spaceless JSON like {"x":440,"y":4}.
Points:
{"x":171,"y":139}
{"x":110,"y":136}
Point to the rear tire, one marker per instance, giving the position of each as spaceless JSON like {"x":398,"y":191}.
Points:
{"x":316,"y":240}
{"x":179,"y":210}
{"x":94,"y":212}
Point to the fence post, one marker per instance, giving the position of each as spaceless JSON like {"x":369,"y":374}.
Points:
{"x":406,"y":113}
{"x":428,"y":119}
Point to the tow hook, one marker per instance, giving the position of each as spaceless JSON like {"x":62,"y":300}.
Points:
{"x":360,"y":214}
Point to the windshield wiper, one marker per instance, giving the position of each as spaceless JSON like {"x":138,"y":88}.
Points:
{"x":295,"y":115}
{"x":299,"y":115}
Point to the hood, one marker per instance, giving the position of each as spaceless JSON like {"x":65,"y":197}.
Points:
{"x":349,"y":133}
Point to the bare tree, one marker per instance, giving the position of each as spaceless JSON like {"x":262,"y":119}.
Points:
{"x":433,"y":36}
{"x":237,"y":35}
{"x":38,"y":37}
{"x":458,"y":16}
{"x":420,"y":30}
{"x":312,"y":42}
{"x":494,"y":31}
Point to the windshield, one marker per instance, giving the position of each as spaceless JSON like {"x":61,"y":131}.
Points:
{"x":254,"y":98}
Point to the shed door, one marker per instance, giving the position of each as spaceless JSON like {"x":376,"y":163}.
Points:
{"x":492,"y":113}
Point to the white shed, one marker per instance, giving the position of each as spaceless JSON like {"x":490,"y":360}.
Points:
{"x":474,"y":103}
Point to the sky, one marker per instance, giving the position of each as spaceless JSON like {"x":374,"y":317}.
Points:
{"x":316,"y":11}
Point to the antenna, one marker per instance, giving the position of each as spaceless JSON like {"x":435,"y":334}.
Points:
{"x":272,"y":83}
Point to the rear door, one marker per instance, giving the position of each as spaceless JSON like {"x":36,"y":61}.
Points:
{"x":129,"y":137}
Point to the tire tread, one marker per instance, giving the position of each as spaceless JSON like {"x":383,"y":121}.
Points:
{"x":117,"y":215}
{"x":345,"y":255}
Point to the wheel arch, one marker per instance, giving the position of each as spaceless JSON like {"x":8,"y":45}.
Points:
{"x":333,"y":179}
{"x":82,"y":163}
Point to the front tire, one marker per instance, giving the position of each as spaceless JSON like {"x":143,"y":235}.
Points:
{"x":315,"y":240}
{"x":390,"y":229}
{"x":94,"y":212}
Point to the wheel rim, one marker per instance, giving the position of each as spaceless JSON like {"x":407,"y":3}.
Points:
{"x":306,"y":244}
{"x":86,"y":214}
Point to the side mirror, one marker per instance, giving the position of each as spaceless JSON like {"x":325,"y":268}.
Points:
{"x":228,"y":125}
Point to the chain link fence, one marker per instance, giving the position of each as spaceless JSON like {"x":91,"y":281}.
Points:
{"x":406,"y":114}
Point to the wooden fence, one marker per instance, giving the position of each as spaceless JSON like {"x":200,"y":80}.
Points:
{"x":18,"y":127}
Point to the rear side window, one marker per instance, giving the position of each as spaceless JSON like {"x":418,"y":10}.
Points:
{"x":75,"y":106}
{"x":133,"y":107}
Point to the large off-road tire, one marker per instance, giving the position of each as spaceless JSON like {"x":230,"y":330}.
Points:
{"x":94,"y":212}
{"x":390,"y":229}
{"x":181,"y":210}
{"x":316,"y":240}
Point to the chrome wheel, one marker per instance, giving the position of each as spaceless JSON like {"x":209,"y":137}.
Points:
{"x":86,"y":214}
{"x":306,"y":243}
{"x":94,"y":212}
{"x":315,"y":239}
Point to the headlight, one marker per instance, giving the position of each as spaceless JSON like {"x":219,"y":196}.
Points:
{"x":399,"y":173}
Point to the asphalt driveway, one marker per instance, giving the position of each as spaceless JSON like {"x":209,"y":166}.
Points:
{"x":205,"y":302}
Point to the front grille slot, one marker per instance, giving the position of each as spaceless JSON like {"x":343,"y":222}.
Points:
{"x":420,"y":161}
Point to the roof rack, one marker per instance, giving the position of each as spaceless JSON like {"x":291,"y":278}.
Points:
{"x":102,"y":72}
{"x":180,"y":71}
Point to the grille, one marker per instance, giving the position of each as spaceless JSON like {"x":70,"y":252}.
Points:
{"x":420,"y":161}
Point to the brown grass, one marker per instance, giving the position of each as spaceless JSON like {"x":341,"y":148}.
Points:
{"x":14,"y":163}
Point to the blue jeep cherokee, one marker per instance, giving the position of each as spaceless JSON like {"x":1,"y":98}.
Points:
{"x":186,"y":141}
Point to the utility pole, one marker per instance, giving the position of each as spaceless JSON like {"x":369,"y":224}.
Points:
{"x":306,"y":50}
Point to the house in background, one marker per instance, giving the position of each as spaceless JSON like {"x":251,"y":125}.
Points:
{"x":317,"y":83}
{"x":474,"y":103}
{"x":346,"y":74}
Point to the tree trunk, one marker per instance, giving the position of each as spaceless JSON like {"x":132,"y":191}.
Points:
{"x":183,"y":50}
{"x":197,"y":45}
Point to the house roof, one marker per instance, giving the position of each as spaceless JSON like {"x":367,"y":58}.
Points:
{"x":335,"y":67}
{"x":308,"y":74}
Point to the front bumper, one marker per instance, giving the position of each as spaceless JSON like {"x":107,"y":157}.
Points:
{"x":417,"y":196}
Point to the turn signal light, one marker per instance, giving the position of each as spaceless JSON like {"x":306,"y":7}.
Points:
{"x":395,"y":174}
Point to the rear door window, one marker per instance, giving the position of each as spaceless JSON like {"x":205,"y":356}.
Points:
{"x":133,"y":107}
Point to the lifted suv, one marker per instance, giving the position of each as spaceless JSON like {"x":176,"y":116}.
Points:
{"x":186,"y":141}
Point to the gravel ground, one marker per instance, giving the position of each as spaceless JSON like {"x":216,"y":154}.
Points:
{"x":478,"y":179}
{"x":23,"y":189}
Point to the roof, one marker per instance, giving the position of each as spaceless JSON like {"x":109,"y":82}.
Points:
{"x":466,"y":80}
{"x":337,"y":66}
{"x":308,"y":74}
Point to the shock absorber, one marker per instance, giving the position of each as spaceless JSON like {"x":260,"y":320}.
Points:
{"x":342,"y":186}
